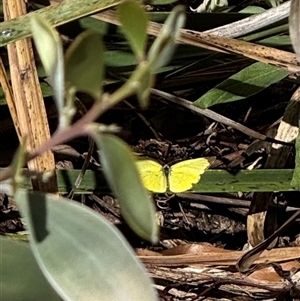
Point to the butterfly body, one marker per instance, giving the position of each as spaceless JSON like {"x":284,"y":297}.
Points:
{"x":176,"y":178}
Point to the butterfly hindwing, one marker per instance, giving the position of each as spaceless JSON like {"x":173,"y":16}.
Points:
{"x":152,"y":175}
{"x":184,"y":174}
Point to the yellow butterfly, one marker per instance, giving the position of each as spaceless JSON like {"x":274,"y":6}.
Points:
{"x":176,"y":178}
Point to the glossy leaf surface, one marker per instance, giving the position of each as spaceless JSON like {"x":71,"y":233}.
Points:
{"x":245,"y":83}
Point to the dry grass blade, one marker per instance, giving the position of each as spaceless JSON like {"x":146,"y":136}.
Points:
{"x":31,"y":112}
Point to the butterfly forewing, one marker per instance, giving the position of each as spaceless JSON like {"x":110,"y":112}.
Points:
{"x":184,"y":174}
{"x":152,"y":175}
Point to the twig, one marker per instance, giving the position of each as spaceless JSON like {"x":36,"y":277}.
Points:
{"x":215,"y":116}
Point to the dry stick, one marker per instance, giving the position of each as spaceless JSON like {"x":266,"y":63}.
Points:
{"x":221,"y":258}
{"x":230,"y":202}
{"x":32,"y":118}
{"x":207,"y":279}
{"x":215,"y":116}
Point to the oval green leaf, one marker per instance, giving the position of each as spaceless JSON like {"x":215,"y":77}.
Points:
{"x":295,"y":183}
{"x":84,"y":63}
{"x":81,"y":254}
{"x":119,"y":167}
{"x":49,"y":48}
{"x":134,"y":23}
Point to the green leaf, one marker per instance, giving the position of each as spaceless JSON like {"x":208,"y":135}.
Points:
{"x":17,"y":165}
{"x":120,"y":58}
{"x":134,"y":24}
{"x":20,"y":276}
{"x":81,"y":254}
{"x":245,"y":83}
{"x":295,"y":183}
{"x":49,"y":47}
{"x":121,"y":173}
{"x":252,"y":10}
{"x":163,"y":47}
{"x":162,"y":2}
{"x":84,"y":63}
